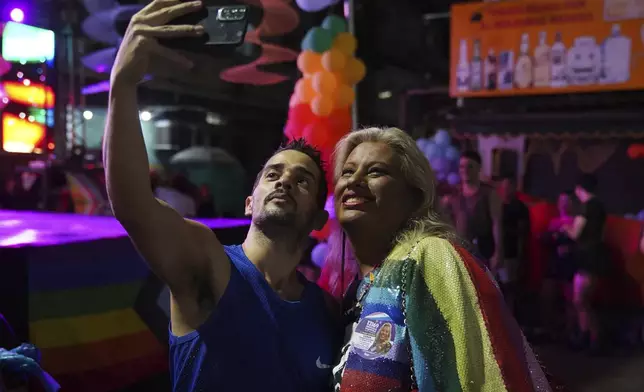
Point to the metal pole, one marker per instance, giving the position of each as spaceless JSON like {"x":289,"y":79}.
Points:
{"x":350,"y":7}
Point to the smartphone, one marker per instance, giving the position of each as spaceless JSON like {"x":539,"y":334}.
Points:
{"x":225,"y":29}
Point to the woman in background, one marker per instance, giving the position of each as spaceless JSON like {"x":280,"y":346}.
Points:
{"x":450,"y":330}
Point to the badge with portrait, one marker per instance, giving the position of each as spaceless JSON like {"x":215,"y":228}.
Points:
{"x":378,"y":336}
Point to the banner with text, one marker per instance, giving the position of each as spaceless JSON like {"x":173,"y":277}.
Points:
{"x":529,"y":47}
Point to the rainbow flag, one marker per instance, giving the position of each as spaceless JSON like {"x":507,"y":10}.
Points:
{"x":455,"y":332}
{"x":83,"y":301}
{"x":86,"y":194}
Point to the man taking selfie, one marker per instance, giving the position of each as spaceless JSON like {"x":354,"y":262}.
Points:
{"x":242,"y":318}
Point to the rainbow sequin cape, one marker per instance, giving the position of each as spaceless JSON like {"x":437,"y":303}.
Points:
{"x":458,"y":333}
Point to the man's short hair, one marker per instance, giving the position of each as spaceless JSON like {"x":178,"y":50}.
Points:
{"x":472,"y":156}
{"x":588,"y":182}
{"x":301,"y":145}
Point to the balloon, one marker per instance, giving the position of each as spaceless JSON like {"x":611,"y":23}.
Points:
{"x":338,"y":123}
{"x":329,"y":207}
{"x":354,"y":71}
{"x":317,"y":40}
{"x":440,"y":165}
{"x":344,"y":96}
{"x":453,"y":179}
{"x":316,"y":134}
{"x":333,"y":60}
{"x":335,"y":24}
{"x":640,"y":215}
{"x":345,"y":43}
{"x":440,"y":176}
{"x":318,"y":254}
{"x":301,"y":115}
{"x":324,"y":83}
{"x":294,"y":101}
{"x":309,"y":62}
{"x":432,"y":150}
{"x":304,"y":90}
{"x":292,"y":131}
{"x":422,"y":143}
{"x":322,"y":105}
{"x":314,"y":5}
{"x":452,"y":154}
{"x":442,"y":138}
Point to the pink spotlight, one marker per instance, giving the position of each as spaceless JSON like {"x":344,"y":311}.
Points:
{"x":17,"y":15}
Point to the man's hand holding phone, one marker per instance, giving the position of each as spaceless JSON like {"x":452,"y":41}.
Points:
{"x":140,"y":43}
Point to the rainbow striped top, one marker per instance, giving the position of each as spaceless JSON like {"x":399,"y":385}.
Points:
{"x":457,"y":334}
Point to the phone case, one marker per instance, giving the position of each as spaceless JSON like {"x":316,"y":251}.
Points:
{"x":225,"y":29}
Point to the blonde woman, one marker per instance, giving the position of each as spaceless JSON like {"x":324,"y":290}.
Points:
{"x":449,"y":329}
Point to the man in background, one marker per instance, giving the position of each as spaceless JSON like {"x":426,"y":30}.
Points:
{"x":516,"y":231}
{"x":477,"y":212}
{"x":591,"y":255}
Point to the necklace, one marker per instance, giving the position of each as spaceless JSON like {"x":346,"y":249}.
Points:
{"x":352,"y":314}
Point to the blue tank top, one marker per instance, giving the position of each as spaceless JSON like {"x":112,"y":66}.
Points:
{"x":256,"y":341}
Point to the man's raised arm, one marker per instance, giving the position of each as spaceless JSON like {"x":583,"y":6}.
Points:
{"x":177,"y":250}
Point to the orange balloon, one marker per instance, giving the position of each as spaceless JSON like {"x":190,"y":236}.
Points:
{"x":309,"y":62}
{"x":333,"y":60}
{"x":324,"y":83}
{"x":304,"y":90}
{"x":294,"y":100}
{"x":344,"y":96}
{"x":322,"y":105}
{"x":345,"y":43}
{"x":354,"y":71}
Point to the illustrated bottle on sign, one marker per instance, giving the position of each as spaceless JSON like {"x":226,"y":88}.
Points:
{"x":490,"y":70}
{"x":463,"y":69}
{"x":558,"y":63}
{"x":616,"y":57}
{"x":505,"y":65}
{"x":524,"y":69}
{"x":476,"y":69}
{"x":542,"y":62}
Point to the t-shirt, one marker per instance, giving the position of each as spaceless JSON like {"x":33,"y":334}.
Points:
{"x":592,"y":256}
{"x":515,"y":215}
{"x":592,"y":235}
{"x":256,"y":341}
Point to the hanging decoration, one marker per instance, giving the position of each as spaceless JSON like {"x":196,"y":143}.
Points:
{"x":442,"y":155}
{"x":320,"y":107}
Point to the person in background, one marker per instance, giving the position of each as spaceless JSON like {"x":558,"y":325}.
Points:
{"x":477,"y":212}
{"x":560,"y":270}
{"x":206,"y":207}
{"x":516,"y":232}
{"x":8,"y":194}
{"x":591,"y":256}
